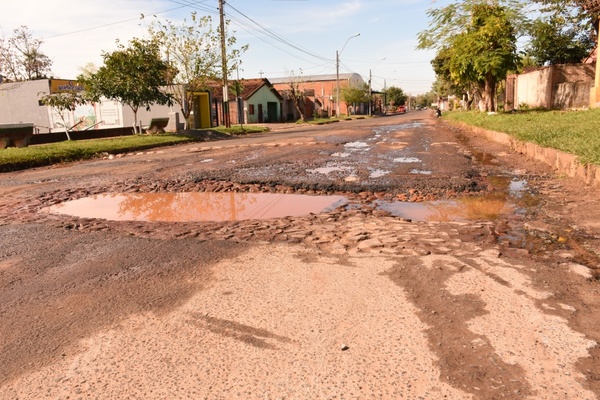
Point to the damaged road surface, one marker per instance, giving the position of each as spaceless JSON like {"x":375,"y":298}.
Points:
{"x":392,"y":257}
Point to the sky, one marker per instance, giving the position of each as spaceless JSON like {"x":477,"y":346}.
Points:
{"x":285,"y":37}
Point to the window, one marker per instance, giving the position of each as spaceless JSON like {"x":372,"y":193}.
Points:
{"x":251,"y":109}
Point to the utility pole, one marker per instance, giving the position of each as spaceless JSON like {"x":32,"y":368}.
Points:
{"x":224,"y":65}
{"x":370,"y":92}
{"x":337,"y":76}
{"x":337,"y":84}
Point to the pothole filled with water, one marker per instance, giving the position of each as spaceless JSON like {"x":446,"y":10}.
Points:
{"x":465,"y":209}
{"x":511,"y":199}
{"x":196,"y":206}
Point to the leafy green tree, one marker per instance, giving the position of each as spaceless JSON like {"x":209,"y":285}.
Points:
{"x":395,"y":96}
{"x":425,"y":100}
{"x":193,"y":50}
{"x":62,"y":102}
{"x":131,"y":75}
{"x":562,"y":33}
{"x":21,"y":58}
{"x":355,"y":94}
{"x":447,"y":83}
{"x":477,"y":41}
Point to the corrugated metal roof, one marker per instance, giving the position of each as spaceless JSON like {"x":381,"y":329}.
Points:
{"x":314,"y":78}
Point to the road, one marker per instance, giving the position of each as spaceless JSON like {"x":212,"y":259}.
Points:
{"x":451,"y":268}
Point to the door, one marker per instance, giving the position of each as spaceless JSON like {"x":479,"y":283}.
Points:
{"x":260,"y":114}
{"x":272,"y":114}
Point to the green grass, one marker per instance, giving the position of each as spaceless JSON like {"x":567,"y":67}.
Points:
{"x":574,"y":132}
{"x":54,"y":153}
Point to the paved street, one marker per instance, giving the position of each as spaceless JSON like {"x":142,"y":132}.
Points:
{"x":451,"y":268}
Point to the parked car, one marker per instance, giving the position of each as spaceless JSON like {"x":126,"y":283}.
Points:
{"x":402,"y":109}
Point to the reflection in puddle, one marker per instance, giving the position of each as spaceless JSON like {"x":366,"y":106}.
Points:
{"x":517,"y":186}
{"x":356,"y":145}
{"x":327,"y":170}
{"x":484,"y":158}
{"x":511,"y":198}
{"x":420,"y":172}
{"x":378,"y":173}
{"x":342,"y":155}
{"x":189,"y":207}
{"x":465,"y":209}
{"x":407,"y":160}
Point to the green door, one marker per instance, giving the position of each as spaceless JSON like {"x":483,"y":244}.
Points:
{"x":272,"y":114}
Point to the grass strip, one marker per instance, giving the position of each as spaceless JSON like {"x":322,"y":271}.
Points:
{"x":12,"y":159}
{"x":574,"y":132}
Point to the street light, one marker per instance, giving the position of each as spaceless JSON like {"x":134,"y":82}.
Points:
{"x":337,"y":71}
{"x":370,"y":101}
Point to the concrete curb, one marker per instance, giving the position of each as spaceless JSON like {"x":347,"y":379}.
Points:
{"x":563,"y":163}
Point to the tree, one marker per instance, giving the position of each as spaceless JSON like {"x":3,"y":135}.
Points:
{"x":561,"y":34}
{"x":354,"y":94}
{"x":395,"y":96}
{"x":21,"y":58}
{"x":477,"y":41}
{"x":461,"y":85}
{"x":131,"y":75}
{"x":62,"y":102}
{"x":194,"y":53}
{"x":425,"y":100}
{"x":297,"y":94}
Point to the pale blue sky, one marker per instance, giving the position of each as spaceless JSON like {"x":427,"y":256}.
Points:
{"x":283,"y":35}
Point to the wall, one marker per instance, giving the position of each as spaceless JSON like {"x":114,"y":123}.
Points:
{"x":143,"y":116}
{"x":19,"y":103}
{"x":557,"y":86}
{"x":535,"y":89}
{"x":570,"y":96}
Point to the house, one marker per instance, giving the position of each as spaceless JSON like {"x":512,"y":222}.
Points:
{"x":251,"y":101}
{"x":20,"y":102}
{"x":320,"y":94}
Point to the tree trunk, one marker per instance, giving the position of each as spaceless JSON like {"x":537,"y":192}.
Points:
{"x":135,"y":121}
{"x":489,"y":93}
{"x":300,"y":107}
{"x":185,"y":112}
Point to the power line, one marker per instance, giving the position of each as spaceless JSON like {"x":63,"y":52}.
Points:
{"x":257,"y":30}
{"x":279,"y":37}
{"x":110,"y":24}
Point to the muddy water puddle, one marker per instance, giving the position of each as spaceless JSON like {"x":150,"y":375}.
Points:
{"x":466,"y":209}
{"x":191,"y":207}
{"x":512,"y":198}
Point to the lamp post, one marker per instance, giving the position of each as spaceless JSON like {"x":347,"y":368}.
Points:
{"x":370,"y":76}
{"x":337,"y":74}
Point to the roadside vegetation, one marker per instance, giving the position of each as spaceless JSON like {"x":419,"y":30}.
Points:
{"x":573,"y":132}
{"x":74,"y":150}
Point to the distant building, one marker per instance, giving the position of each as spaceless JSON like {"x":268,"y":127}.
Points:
{"x":251,"y":101}
{"x":320,"y":93}
{"x":20,"y":103}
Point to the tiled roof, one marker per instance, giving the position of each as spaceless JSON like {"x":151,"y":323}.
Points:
{"x":248,"y":86}
{"x":313,"y":78}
